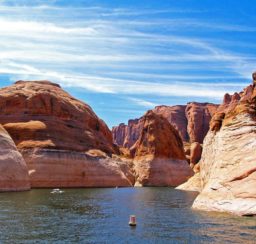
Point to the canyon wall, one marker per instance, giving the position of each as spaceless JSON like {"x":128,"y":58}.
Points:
{"x":159,"y":158}
{"x":228,"y":164}
{"x":55,"y":134}
{"x":191,"y":121}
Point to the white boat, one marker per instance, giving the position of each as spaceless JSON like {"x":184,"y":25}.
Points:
{"x":57,"y":190}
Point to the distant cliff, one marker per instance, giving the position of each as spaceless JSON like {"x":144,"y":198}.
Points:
{"x":191,"y":121}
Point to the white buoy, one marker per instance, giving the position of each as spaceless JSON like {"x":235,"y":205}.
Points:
{"x":132,"y":221}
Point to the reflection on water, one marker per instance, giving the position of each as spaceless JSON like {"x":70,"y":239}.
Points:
{"x":102,"y":215}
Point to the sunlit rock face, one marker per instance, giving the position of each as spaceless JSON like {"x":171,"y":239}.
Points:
{"x":191,"y":121}
{"x":199,"y":116}
{"x":176,"y":115}
{"x":55,"y":132}
{"x":228,"y":164}
{"x":193,"y":184}
{"x":126,"y":135}
{"x":159,"y":158}
{"x":14,"y":172}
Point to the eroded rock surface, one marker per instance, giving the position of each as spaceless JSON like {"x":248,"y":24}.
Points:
{"x":55,"y":132}
{"x":14,"y":172}
{"x":191,"y":121}
{"x":159,"y":158}
{"x":176,"y":115}
{"x":199,"y":116}
{"x":228,"y":164}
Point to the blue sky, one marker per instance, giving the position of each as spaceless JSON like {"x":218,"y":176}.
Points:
{"x":125,"y":57}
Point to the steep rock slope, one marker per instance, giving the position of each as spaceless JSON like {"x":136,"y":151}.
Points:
{"x":55,"y":132}
{"x":228,"y":164}
{"x":159,"y":158}
{"x":199,"y":116}
{"x":14,"y":172}
{"x":176,"y":115}
{"x":191,"y":121}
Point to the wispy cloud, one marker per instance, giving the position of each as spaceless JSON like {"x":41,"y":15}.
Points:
{"x":120,"y":51}
{"x":127,"y":87}
{"x":142,"y":102}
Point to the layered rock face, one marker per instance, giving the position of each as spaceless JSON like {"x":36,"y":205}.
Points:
{"x":191,"y":121}
{"x":64,"y":168}
{"x":176,"y":115}
{"x":228,"y":164}
{"x":159,"y":158}
{"x":54,"y":132}
{"x":133,"y":131}
{"x":199,"y":116}
{"x":14,"y":172}
{"x":40,"y":114}
{"x":119,"y":133}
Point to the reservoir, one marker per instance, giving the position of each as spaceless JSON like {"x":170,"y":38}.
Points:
{"x":163,"y":215}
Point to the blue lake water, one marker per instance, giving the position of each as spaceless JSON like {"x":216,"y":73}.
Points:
{"x":164,"y":215}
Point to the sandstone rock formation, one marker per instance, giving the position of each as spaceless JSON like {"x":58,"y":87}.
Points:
{"x":55,"y":132}
{"x":64,"y":168}
{"x":159,"y":155}
{"x":191,"y":121}
{"x":14,"y":172}
{"x":193,"y":184}
{"x":119,"y":133}
{"x":228,"y":164}
{"x":199,"y":116}
{"x":176,"y":115}
{"x":195,"y":153}
{"x":40,"y":114}
{"x":133,"y":131}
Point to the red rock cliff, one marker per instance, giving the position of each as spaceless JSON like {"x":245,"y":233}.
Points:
{"x":191,"y":121}
{"x":56,"y":134}
{"x":199,"y":116}
{"x":159,"y":155}
{"x":40,"y":114}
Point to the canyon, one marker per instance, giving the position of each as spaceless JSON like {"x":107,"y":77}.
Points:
{"x":227,"y":166}
{"x":50,"y":139}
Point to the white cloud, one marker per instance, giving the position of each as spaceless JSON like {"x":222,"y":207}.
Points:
{"x":96,"y":52}
{"x":129,"y":87}
{"x":24,"y":27}
{"x":142,"y":102}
